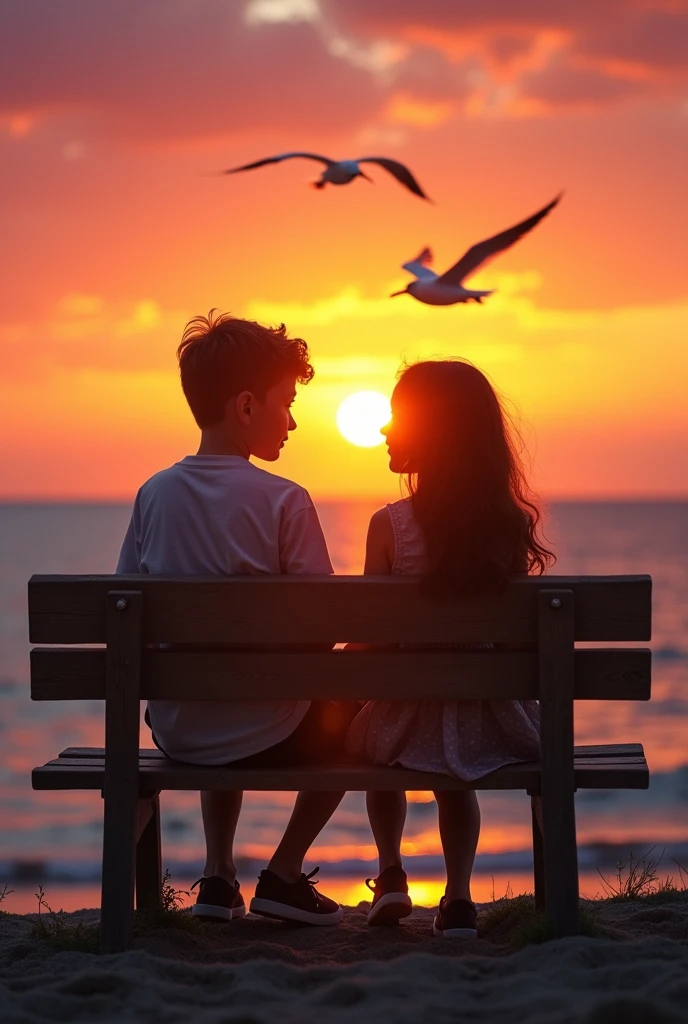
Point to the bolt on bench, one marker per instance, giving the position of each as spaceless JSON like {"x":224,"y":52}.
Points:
{"x":131,"y":614}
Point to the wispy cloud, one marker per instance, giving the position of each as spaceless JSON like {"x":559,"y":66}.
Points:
{"x":534,"y":58}
{"x":87,"y":332}
{"x":348,"y":304}
{"x":260,"y":12}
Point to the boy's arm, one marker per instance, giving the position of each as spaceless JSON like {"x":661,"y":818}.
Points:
{"x":303,"y":551}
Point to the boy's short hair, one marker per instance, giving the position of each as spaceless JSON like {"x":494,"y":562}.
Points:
{"x":221,"y":355}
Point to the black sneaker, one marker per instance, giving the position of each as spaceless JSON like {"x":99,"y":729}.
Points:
{"x":217,"y":900}
{"x":391,"y":900}
{"x":455,"y":920}
{"x":294,"y":901}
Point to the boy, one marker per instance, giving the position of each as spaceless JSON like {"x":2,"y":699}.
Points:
{"x":216,"y":513}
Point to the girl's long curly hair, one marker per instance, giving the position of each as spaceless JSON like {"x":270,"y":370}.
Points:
{"x":479,"y":519}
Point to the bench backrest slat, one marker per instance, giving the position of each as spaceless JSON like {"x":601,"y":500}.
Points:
{"x":79,"y":673}
{"x":297,"y":609}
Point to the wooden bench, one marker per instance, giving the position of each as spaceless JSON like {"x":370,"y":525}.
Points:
{"x":128,"y":614}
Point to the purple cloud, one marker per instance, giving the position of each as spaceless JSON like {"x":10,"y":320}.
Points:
{"x":175,"y":70}
{"x":184,"y":70}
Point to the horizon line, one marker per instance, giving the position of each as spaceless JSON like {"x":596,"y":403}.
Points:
{"x":630,"y":498}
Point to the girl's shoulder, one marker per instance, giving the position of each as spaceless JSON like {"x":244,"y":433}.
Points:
{"x":401,"y":515}
{"x":401,"y":509}
{"x":409,"y":546}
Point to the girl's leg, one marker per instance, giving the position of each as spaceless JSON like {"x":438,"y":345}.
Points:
{"x":391,"y":901}
{"x":459,"y":819}
{"x":387,"y":814}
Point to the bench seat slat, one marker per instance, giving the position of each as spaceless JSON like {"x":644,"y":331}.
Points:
{"x":623,"y":772}
{"x":299,"y":609}
{"x":584,"y":750}
{"x":65,"y":673}
{"x":163,"y":765}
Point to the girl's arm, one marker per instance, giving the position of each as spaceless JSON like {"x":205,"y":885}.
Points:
{"x":379,"y":556}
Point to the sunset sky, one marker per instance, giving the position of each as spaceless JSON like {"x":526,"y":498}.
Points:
{"x":115,"y":116}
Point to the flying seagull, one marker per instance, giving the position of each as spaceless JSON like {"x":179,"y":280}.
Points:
{"x":447,"y":289}
{"x":341,"y":172}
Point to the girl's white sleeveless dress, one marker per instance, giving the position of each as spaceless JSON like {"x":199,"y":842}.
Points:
{"x":466,"y":739}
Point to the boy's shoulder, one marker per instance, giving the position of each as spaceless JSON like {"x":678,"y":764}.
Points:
{"x":159,"y":479}
{"x":277,"y":488}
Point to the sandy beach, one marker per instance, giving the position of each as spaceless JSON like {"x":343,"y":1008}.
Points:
{"x":255,"y":971}
{"x":265,"y":398}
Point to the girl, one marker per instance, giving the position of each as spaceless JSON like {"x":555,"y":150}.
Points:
{"x":468,"y":524}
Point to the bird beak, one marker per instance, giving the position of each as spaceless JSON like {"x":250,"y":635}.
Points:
{"x":394,"y":294}
{"x":362,"y":174}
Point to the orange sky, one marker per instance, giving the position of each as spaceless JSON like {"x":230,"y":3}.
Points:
{"x":116,"y":231}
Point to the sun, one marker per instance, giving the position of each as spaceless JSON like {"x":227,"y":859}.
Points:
{"x":360,"y":417}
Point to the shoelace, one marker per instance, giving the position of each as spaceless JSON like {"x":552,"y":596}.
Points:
{"x":309,"y":879}
{"x":203,"y":878}
{"x":373,"y":887}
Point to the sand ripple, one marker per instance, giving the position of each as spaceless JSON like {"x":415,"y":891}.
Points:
{"x":254,"y":972}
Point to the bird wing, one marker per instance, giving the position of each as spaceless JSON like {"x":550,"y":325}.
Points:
{"x":399,"y":171}
{"x":420,"y":266}
{"x":277,"y":159}
{"x":491,"y":247}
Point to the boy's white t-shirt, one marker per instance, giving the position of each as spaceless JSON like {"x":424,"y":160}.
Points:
{"x":220,"y":515}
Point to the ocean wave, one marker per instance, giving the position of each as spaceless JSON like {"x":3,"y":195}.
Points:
{"x":603,"y":855}
{"x":669,"y":653}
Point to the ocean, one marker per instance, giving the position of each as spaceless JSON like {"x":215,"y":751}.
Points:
{"x":54,"y":840}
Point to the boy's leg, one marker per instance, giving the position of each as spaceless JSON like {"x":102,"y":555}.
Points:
{"x":311,"y":813}
{"x":283,"y":891}
{"x":459,"y":821}
{"x":387,"y":815}
{"x":318,"y":740}
{"x":220,"y":810}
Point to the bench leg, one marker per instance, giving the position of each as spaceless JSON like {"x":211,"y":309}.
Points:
{"x":119,"y":851}
{"x":556,"y":635}
{"x":560,"y":861}
{"x":538,"y":856}
{"x":124,"y":635}
{"x":148,"y":858}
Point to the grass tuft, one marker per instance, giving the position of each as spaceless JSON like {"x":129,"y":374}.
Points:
{"x":60,"y":931}
{"x":515,"y":921}
{"x":57,"y":928}
{"x":638,"y":878}
{"x":536,"y":930}
{"x":4,"y":893}
{"x":169,"y":912}
{"x":682,"y":875}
